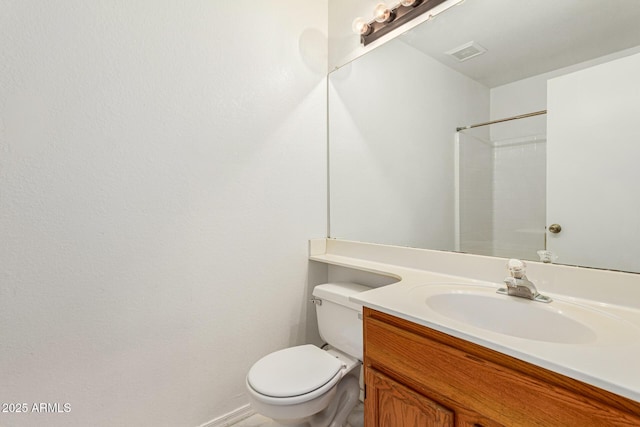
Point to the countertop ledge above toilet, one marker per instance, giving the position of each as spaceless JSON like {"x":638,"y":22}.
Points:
{"x":615,"y":294}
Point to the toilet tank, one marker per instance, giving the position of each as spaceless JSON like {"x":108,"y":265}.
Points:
{"x":340,"y":320}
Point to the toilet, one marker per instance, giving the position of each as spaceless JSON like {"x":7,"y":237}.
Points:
{"x":309,"y":386}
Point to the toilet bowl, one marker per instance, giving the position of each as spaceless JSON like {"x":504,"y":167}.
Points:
{"x":309,"y":386}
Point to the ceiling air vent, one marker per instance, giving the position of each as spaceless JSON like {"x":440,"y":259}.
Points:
{"x":466,"y":51}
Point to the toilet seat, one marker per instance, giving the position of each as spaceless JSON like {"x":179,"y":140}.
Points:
{"x":294,"y":375}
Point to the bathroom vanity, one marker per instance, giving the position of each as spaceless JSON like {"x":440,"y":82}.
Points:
{"x":417,"y":376}
{"x":442,"y":348}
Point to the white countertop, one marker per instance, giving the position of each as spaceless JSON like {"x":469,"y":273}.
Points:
{"x":611,"y":362}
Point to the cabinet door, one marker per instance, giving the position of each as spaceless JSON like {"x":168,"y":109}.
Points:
{"x":391,"y":404}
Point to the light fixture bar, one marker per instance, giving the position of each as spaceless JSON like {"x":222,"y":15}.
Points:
{"x":402,"y":15}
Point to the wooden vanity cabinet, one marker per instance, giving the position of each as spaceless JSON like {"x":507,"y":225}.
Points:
{"x":419,"y":377}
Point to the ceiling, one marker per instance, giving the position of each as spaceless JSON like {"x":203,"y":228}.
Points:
{"x":524,"y":38}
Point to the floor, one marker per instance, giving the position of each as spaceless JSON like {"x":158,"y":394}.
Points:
{"x":356,"y":419}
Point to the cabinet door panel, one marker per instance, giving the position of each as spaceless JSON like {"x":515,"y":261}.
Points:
{"x":390,"y":404}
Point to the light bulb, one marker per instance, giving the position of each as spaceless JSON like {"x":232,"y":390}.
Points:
{"x":407,"y":2}
{"x":360,"y":26}
{"x":382,"y":13}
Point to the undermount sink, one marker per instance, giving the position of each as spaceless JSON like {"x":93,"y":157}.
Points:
{"x":558,"y":322}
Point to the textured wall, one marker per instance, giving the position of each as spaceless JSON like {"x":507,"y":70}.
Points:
{"x":161,"y":167}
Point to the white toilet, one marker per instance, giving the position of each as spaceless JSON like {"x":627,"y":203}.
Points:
{"x":308,"y":386}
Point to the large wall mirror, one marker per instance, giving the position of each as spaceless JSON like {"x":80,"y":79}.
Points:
{"x":501,"y":127}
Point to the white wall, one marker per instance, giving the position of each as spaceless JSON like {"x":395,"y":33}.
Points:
{"x":391,"y":160}
{"x":162,"y":165}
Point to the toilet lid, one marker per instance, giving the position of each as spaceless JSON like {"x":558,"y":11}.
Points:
{"x":293,"y":371}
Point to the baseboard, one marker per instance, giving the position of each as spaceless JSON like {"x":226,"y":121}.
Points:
{"x":231,"y":418}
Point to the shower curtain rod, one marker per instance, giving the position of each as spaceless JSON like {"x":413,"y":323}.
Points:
{"x":521,"y":116}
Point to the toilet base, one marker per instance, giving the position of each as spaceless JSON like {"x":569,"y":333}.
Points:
{"x":347,"y":396}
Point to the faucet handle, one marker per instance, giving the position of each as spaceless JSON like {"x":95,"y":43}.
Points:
{"x":516,"y":268}
{"x":510,"y":282}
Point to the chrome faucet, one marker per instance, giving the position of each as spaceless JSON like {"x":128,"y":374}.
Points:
{"x":518,"y":285}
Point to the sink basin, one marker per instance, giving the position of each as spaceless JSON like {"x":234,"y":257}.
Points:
{"x":512,"y":317}
{"x":557,"y":322}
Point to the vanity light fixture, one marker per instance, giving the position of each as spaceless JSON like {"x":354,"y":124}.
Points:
{"x":386,"y":19}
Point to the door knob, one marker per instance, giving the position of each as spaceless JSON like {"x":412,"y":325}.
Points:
{"x":555,"y":228}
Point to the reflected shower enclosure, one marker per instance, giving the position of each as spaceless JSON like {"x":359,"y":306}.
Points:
{"x":501,"y":195}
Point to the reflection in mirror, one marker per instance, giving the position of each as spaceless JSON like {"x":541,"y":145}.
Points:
{"x":502,"y":188}
{"x":400,"y":174}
